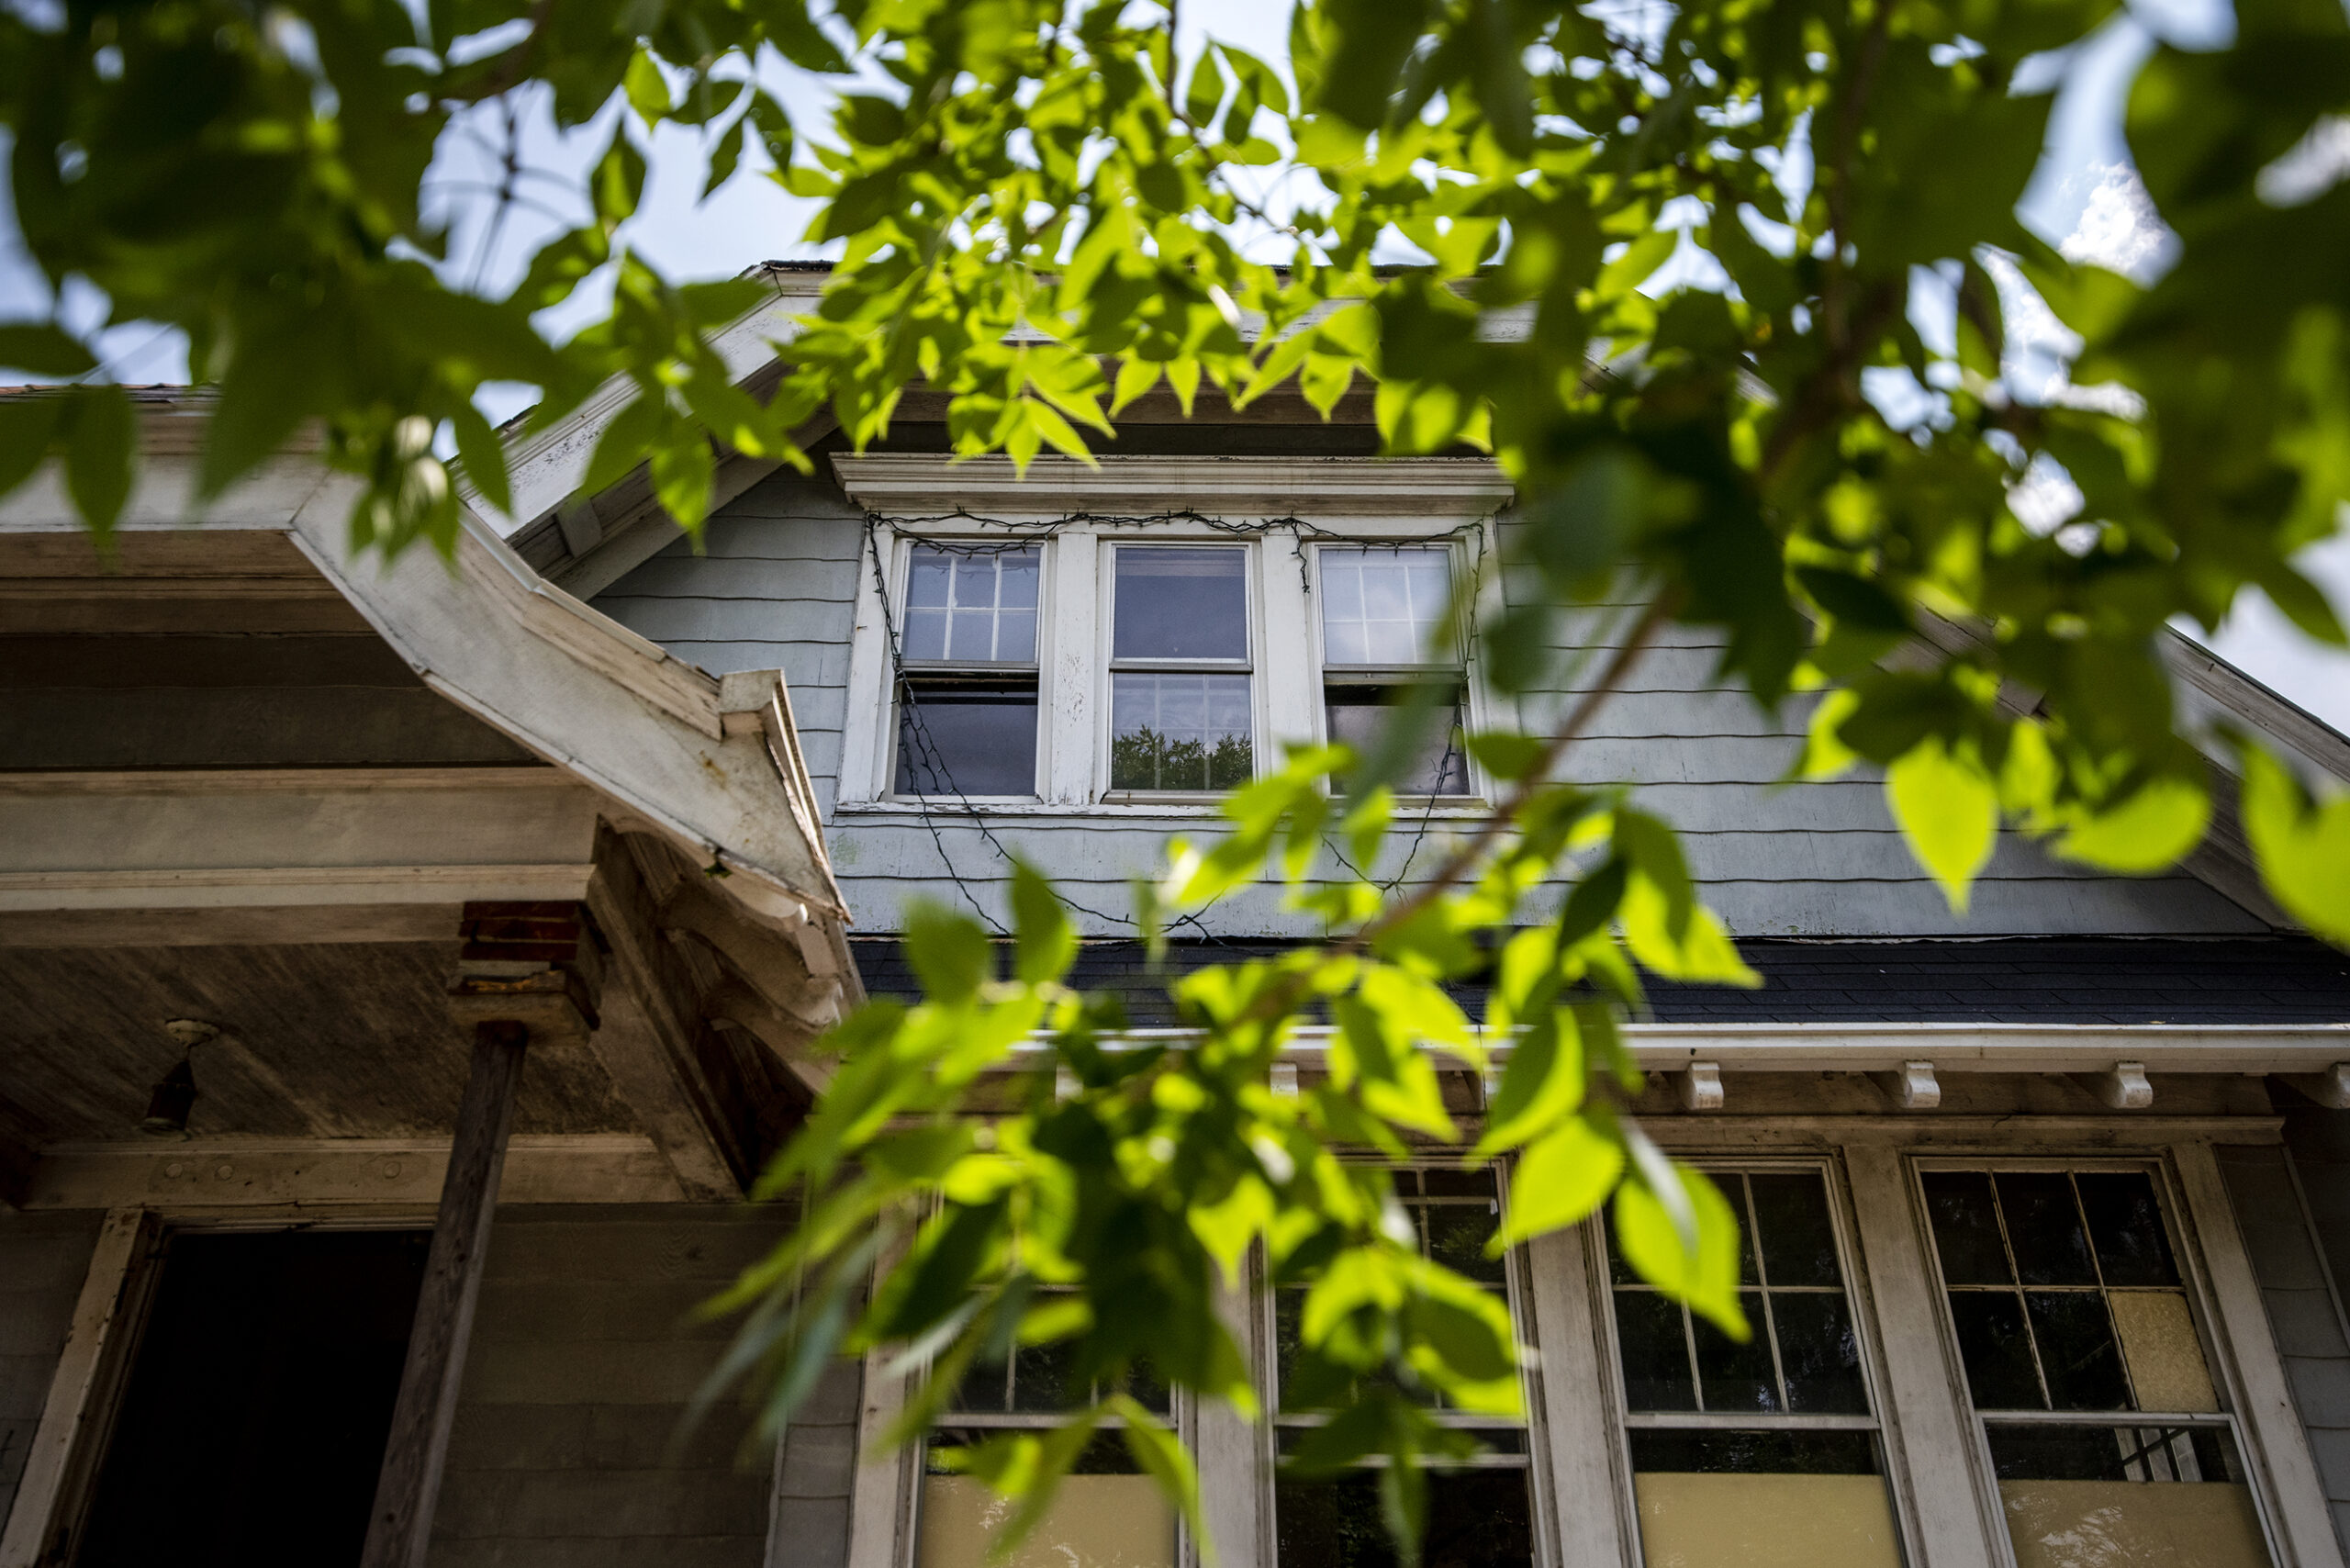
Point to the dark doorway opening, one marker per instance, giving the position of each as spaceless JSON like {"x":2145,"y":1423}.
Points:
{"x":253,"y":1423}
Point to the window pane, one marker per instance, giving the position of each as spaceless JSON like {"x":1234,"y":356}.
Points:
{"x":1181,"y":603}
{"x":2088,"y":1495}
{"x":1731,"y":1376}
{"x":1477,"y":1519}
{"x":2130,"y":1247}
{"x":1105,"y":1515}
{"x":1179,"y":731}
{"x":2044,"y":1228}
{"x":1457,"y":1235}
{"x":1040,"y":1379}
{"x":966,"y":738}
{"x":1761,"y":1500}
{"x":1820,"y":1353}
{"x":1966,"y":1228}
{"x":1655,"y":1349}
{"x":2162,"y":1350}
{"x":976,"y":606}
{"x":1798,"y":1242}
{"x":1385,"y":606}
{"x":2076,"y":1351}
{"x":1997,"y":1350}
{"x":1359,"y":717}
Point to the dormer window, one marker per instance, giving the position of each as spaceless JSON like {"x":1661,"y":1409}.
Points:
{"x":966,"y":696}
{"x":1385,"y":642}
{"x":1180,"y":714}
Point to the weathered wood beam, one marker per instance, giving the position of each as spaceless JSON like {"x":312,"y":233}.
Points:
{"x":647,"y":1042}
{"x":400,"y":1528}
{"x":732,"y":1002}
{"x":73,"y":1417}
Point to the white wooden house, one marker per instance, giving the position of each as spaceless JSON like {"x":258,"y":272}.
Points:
{"x":2050,"y":1205}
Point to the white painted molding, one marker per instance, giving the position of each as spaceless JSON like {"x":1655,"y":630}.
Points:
{"x":1912,"y":1086}
{"x":912,"y":483}
{"x":1950,"y":1048}
{"x":1699,"y":1085}
{"x":2122,"y":1087}
{"x":2330,"y":1088}
{"x":235,"y":887}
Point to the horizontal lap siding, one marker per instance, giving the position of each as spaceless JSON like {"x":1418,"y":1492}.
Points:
{"x":570,"y":1445}
{"x":772,"y":587}
{"x":43,"y":1259}
{"x":777,"y":586}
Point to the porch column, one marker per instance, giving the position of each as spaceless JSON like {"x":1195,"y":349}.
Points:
{"x":525,"y":970}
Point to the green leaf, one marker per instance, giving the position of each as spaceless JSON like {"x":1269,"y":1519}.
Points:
{"x":683,"y":470}
{"x":484,"y":456}
{"x":43,"y":350}
{"x":1561,"y":1179}
{"x":27,"y":426}
{"x":949,"y":953}
{"x":1047,"y":939}
{"x":1948,"y":810}
{"x":2149,"y":832}
{"x":1697,"y":1262}
{"x":1854,"y":600}
{"x":648,"y":90}
{"x":100,"y":449}
{"x":2302,"y":847}
{"x":625,"y":444}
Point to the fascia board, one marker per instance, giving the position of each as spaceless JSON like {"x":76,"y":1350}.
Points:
{"x":1867,"y":1048}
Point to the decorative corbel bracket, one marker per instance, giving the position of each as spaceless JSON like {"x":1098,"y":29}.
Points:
{"x":1913,"y":1086}
{"x":2125,"y":1088}
{"x":2330,"y":1088}
{"x":1700,"y":1086}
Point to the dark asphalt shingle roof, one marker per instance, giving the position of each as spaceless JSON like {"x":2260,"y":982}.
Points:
{"x":2110,"y":980}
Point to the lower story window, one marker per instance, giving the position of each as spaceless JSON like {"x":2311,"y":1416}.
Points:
{"x":1763,"y":1452}
{"x":2104,"y":1425}
{"x":1107,"y":1513}
{"x":1481,"y":1514}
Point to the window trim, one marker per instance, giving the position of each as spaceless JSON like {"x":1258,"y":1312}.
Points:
{"x":2188,"y":1226}
{"x":1108,"y":666}
{"x":1475,"y":792}
{"x":899,"y":668}
{"x":1073,"y":635}
{"x":1881,"y":1419}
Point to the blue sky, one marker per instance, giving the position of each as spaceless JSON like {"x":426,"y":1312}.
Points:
{"x":2083,"y":197}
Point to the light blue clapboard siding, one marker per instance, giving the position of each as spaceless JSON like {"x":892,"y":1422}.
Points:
{"x":776,"y":583}
{"x":774,"y":587}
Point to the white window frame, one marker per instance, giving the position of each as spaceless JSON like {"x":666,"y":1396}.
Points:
{"x":1461,"y":559}
{"x":1366,"y":500}
{"x":901,"y":570}
{"x":2190,"y":1226}
{"x":1107,"y":665}
{"x":1879,"y":1420}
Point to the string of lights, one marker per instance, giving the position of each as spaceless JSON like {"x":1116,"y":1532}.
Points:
{"x":943,"y":532}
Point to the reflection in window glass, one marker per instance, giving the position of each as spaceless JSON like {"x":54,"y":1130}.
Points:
{"x":1383,"y":606}
{"x":1178,"y":731}
{"x":1480,"y":1512}
{"x":1179,"y":603}
{"x":2064,"y":1295}
{"x":1806,"y":1489}
{"x":1358,"y":715}
{"x":971,"y":606}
